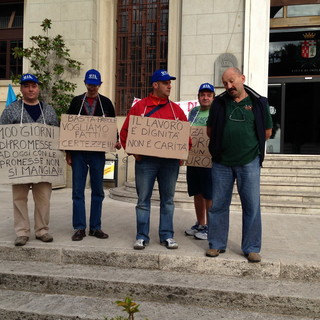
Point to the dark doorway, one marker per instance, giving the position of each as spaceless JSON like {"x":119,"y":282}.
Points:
{"x":302,"y":118}
{"x":297,"y":117}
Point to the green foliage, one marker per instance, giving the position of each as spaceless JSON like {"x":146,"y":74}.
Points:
{"x":128,"y":306}
{"x":49,"y":60}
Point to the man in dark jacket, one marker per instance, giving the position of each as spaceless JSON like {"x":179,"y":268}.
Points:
{"x":239,"y":123}
{"x":90,"y":103}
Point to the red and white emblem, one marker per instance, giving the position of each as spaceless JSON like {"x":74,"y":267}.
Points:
{"x":308,"y":48}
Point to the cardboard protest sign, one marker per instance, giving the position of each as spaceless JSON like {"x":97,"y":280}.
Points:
{"x":87,"y":133}
{"x":199,"y":155}
{"x":158,"y":137}
{"x":29,"y":154}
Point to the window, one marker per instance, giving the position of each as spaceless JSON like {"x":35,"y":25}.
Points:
{"x":142,"y":48}
{"x":294,"y":52}
{"x":294,"y":15}
{"x":11,"y":35}
{"x":303,"y":10}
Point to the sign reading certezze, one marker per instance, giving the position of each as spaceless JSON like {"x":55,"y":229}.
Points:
{"x":158,"y":137}
{"x":29,"y":154}
{"x":87,"y":133}
{"x":199,"y":155}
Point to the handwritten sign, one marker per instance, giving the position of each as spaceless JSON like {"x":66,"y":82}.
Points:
{"x":158,"y":137}
{"x":199,"y":155}
{"x":29,"y":154}
{"x":88,"y":133}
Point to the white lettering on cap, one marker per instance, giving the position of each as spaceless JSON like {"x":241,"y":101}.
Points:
{"x":93,"y":76}
{"x":164,"y":73}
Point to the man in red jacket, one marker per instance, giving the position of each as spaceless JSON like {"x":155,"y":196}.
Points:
{"x":148,"y":168}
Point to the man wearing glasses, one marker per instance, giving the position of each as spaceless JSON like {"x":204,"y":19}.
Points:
{"x":238,"y":125}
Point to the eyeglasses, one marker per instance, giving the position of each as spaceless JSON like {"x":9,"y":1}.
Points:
{"x":232,"y":114}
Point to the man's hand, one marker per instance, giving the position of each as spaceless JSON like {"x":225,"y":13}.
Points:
{"x":68,"y":158}
{"x":138,"y":157}
{"x":118,"y":145}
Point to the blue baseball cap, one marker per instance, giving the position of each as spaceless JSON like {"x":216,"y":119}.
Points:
{"x":29,"y":77}
{"x":206,"y":87}
{"x":93,"y":77}
{"x":161,"y":75}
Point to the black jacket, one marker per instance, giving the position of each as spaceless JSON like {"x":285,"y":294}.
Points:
{"x":217,"y":119}
{"x":107,"y":106}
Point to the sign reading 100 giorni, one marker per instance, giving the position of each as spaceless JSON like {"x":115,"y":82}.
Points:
{"x":29,"y":154}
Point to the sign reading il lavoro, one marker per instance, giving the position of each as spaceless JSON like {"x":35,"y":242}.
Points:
{"x":199,"y":155}
{"x":29,"y":154}
{"x":158,"y":137}
{"x":87,"y":133}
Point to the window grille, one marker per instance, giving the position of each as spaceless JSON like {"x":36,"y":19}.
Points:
{"x":11,"y":36}
{"x":142,"y":48}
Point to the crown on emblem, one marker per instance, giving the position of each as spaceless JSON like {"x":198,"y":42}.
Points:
{"x":309,"y":35}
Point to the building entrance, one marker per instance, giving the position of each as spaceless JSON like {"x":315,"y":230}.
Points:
{"x":295,"y":109}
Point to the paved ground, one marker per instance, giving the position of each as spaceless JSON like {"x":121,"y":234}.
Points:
{"x":286,"y":238}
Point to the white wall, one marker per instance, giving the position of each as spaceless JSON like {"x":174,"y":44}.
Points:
{"x":209,"y":28}
{"x":256,"y":44}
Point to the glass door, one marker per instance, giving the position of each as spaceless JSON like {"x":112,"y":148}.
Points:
{"x":275,"y":94}
{"x":302,"y":118}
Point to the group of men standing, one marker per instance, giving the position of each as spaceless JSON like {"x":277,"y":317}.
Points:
{"x":238,"y":123}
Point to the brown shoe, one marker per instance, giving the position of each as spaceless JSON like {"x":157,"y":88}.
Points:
{"x":21,"y":241}
{"x":45,"y":237}
{"x":78,"y":235}
{"x":98,"y":234}
{"x":253,"y":257}
{"x":214,"y":252}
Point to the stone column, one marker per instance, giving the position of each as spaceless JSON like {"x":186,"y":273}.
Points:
{"x":256,"y":44}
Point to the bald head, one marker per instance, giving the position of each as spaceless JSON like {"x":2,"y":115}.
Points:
{"x":232,"y":70}
{"x":233,"y":81}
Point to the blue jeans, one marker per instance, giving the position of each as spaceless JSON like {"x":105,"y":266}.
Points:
{"x":248,"y":184}
{"x":82,"y":161}
{"x":166,"y":172}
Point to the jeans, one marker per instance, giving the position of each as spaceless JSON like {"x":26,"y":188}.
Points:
{"x":166,"y":172}
{"x":82,"y":161}
{"x":248,"y":184}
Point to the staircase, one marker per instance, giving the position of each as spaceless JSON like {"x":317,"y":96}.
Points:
{"x":69,"y":283}
{"x":66,"y":280}
{"x":290,"y":184}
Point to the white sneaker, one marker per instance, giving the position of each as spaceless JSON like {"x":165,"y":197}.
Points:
{"x":202,"y":234}
{"x":193,"y":230}
{"x":139,"y":244}
{"x":170,"y":244}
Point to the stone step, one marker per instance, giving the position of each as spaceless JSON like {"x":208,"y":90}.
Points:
{"x":276,"y":194}
{"x":301,"y":189}
{"x":291,"y":178}
{"x":271,"y":206}
{"x":291,"y":160}
{"x":38,"y":306}
{"x":284,"y":297}
{"x":162,"y":261}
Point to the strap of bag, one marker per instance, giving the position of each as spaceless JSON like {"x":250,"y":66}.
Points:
{"x":156,"y":109}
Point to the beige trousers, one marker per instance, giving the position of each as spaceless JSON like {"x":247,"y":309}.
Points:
{"x":41,"y":195}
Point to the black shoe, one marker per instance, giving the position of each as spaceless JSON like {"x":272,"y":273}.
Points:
{"x":98,"y":234}
{"x":78,"y":235}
